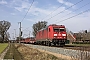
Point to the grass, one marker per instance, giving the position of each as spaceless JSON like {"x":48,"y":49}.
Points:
{"x":52,"y":57}
{"x":3,"y":46}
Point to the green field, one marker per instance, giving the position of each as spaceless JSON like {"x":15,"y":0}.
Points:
{"x":3,"y":46}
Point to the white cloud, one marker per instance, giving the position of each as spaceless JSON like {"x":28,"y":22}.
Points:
{"x":66,"y":3}
{"x":19,"y":5}
{"x":34,"y":10}
{"x":13,"y":14}
{"x":19,"y":9}
{"x":39,"y":11}
{"x":22,"y":6}
{"x":3,"y":2}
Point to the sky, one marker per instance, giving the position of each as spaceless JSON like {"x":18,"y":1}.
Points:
{"x":61,"y":12}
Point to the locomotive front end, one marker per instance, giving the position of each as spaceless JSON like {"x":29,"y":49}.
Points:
{"x":59,"y":35}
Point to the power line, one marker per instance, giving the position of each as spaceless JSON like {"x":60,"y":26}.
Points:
{"x":50,"y":13}
{"x":74,"y":15}
{"x":28,"y":10}
{"x":76,"y":10}
{"x":66,"y":9}
{"x":53,"y":11}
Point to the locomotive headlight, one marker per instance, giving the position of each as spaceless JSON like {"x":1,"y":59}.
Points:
{"x":63,"y":34}
{"x":55,"y":34}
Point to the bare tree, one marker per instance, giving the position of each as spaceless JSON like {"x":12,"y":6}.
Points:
{"x":4,"y":26}
{"x":38,"y":26}
{"x":83,"y":35}
{"x":7,"y":36}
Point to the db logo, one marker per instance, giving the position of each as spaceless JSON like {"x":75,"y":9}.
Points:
{"x":59,"y":34}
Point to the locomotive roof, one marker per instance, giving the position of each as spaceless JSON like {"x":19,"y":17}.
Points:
{"x":51,"y":25}
{"x":44,"y":28}
{"x":55,"y":25}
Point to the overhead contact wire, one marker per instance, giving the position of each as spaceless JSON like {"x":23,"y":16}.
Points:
{"x":74,"y":15}
{"x":53,"y":11}
{"x":65,"y":9}
{"x":76,"y":10}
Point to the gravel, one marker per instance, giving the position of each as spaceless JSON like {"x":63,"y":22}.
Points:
{"x":80,"y":55}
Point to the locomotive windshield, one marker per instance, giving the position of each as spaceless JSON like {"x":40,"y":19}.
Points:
{"x":59,"y":29}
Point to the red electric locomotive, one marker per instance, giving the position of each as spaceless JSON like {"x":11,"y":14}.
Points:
{"x":52,"y":35}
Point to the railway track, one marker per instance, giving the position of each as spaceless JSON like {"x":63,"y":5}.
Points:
{"x":74,"y":47}
{"x":82,"y":48}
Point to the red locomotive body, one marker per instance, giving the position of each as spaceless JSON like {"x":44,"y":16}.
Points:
{"x":53,"y":34}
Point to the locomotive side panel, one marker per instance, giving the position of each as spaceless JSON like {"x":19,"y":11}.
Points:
{"x":45,"y":34}
{"x":39,"y":35}
{"x":42,"y":35}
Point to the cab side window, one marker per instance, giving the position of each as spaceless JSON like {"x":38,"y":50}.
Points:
{"x":49,"y":29}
